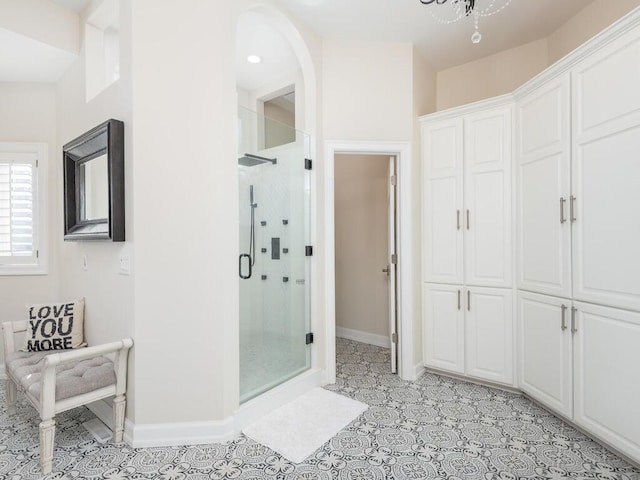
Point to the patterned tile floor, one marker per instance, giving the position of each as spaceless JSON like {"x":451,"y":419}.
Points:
{"x":432,"y":428}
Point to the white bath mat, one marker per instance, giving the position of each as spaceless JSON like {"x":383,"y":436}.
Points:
{"x":300,"y":427}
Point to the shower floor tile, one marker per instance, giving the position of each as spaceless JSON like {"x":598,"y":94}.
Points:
{"x":267,"y":360}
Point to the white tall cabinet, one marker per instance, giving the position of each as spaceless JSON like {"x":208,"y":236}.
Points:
{"x":578,"y":232}
{"x":467,"y":208}
{"x":576,"y":200}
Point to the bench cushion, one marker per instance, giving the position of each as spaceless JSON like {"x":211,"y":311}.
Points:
{"x":74,"y":378}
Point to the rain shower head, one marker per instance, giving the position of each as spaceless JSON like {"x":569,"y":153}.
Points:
{"x":249,"y":160}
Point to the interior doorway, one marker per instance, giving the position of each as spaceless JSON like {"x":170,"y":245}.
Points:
{"x":365,"y":212}
{"x":408,"y":318}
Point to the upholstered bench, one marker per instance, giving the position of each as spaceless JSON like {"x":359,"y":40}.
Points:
{"x":56,"y":381}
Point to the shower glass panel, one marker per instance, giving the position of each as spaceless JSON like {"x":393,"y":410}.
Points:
{"x":273,"y":270}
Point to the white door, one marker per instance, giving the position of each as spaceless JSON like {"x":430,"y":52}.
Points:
{"x":544,"y":187}
{"x":391,"y":268}
{"x":545,"y":350}
{"x":606,"y":175}
{"x":443,"y":327}
{"x":607,"y":375}
{"x":487,"y":198}
{"x":442,"y":234}
{"x":489,"y":334}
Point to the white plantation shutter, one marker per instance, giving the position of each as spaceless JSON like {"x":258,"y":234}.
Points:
{"x":19,"y":206}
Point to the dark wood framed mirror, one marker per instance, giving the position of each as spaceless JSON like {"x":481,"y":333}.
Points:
{"x":94,"y":184}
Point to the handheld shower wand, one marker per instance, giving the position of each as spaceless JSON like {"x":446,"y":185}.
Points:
{"x":251,"y":256}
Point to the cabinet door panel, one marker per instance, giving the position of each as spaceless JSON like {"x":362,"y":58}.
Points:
{"x":544,"y":254}
{"x":487,"y":221}
{"x":442,"y":234}
{"x":606,"y":174}
{"x":607,"y":369}
{"x":443,"y":327}
{"x":606,"y":233}
{"x":545,"y":350}
{"x":543,"y":120}
{"x":543,"y":179}
{"x":489,"y":334}
{"x":605,"y":88}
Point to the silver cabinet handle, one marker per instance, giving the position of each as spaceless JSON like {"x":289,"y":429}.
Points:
{"x":574,"y":328}
{"x":562,"y":201}
{"x":572,"y":210}
{"x":469,"y":300}
{"x":467,"y":219}
{"x":458,"y":219}
{"x":563,"y":326}
{"x":458,"y":299}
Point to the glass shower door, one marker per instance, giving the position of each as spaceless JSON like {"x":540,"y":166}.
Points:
{"x":272,"y":266}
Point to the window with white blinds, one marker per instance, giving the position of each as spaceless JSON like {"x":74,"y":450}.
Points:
{"x":20,"y":227}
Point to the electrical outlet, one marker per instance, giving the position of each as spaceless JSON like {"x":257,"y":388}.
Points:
{"x":84,"y":262}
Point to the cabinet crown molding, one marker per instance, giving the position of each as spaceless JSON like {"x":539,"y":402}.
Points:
{"x":455,"y":112}
{"x":566,"y":63}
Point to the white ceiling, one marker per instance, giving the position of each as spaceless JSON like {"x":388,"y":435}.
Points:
{"x":443,"y":46}
{"x":75,"y":5}
{"x":24,"y":59}
{"x":254,"y":36}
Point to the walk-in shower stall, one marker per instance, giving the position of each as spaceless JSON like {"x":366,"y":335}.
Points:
{"x":273,"y":262}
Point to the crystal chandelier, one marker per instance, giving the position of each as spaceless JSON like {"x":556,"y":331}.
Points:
{"x":460,"y":9}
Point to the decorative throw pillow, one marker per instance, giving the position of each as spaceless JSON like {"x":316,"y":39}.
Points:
{"x":55,"y":326}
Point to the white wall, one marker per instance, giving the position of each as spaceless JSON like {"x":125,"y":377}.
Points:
{"x":362,"y":247}
{"x":368,"y":95}
{"x":185,"y":191}
{"x":491,"y":76}
{"x":367,"y":90}
{"x":424,"y":101}
{"x":109,"y":295}
{"x":28,"y":114}
{"x":594,"y":18}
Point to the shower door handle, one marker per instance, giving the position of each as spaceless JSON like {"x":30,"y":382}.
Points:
{"x":244,"y":255}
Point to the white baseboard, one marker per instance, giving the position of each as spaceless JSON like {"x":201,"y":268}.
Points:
{"x":364,"y":337}
{"x":197,"y":433}
{"x":173,"y":434}
{"x":418,"y":370}
{"x":477,"y":381}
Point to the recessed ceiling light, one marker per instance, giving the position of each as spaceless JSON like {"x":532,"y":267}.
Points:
{"x":254,"y":59}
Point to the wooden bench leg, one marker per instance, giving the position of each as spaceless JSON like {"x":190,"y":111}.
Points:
{"x":11,"y":392}
{"x":119,"y":404}
{"x":47,"y":435}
